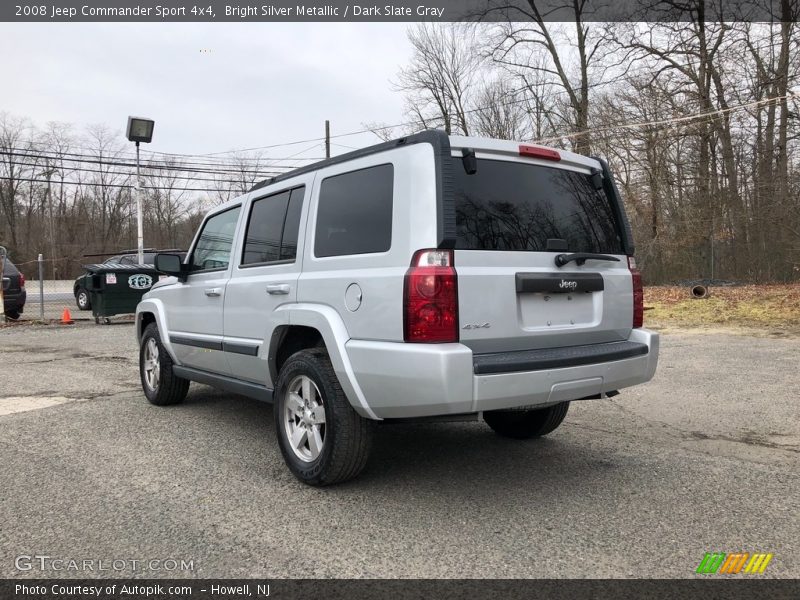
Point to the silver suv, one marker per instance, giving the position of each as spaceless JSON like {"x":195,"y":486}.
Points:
{"x":431,"y":277}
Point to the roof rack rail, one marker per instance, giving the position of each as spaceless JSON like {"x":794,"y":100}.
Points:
{"x":435,"y":136}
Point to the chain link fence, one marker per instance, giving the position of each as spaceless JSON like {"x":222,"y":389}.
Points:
{"x":46,"y":298}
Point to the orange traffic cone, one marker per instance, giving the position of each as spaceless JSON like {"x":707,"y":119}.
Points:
{"x":66,"y":318}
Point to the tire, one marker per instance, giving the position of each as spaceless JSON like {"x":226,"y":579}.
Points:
{"x":83,"y":300}
{"x":526,"y":424}
{"x":160,"y":384}
{"x":342,"y":442}
{"x":13,"y":314}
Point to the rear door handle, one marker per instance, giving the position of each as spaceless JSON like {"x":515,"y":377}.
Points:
{"x":213,"y":292}
{"x":278,"y":288}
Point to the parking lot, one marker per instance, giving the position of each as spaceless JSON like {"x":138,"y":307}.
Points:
{"x":702,"y":459}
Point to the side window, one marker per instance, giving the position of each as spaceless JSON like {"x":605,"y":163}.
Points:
{"x":273,"y":228}
{"x":213,"y":249}
{"x":355,"y":212}
{"x":291,"y":227}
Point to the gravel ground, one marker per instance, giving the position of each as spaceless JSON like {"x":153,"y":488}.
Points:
{"x":703,"y":458}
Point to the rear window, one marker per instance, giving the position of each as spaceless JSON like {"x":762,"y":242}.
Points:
{"x":514,"y":206}
{"x":9,"y":268}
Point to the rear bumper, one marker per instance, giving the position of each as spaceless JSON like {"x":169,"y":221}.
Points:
{"x":418,"y":380}
{"x":14,"y":300}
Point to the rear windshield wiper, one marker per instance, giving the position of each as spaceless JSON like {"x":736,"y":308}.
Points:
{"x":582,"y":257}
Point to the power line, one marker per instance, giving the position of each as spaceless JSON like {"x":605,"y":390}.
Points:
{"x":122,"y":186}
{"x":144,"y":176}
{"x":663,"y":122}
{"x":121,"y":156}
{"x":119,"y":153}
{"x":145,"y":165}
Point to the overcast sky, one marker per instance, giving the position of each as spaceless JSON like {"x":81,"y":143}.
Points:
{"x":255,"y":84}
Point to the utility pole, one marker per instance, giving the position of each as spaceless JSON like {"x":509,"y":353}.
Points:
{"x":327,"y":139}
{"x":49,"y":194}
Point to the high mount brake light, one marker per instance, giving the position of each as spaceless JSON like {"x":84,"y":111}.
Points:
{"x":537,"y":152}
{"x":430,"y":298}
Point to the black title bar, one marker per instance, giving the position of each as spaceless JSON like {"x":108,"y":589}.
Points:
{"x":744,"y":588}
{"x":392,"y":10}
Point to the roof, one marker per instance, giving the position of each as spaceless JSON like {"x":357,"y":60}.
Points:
{"x":434,"y":136}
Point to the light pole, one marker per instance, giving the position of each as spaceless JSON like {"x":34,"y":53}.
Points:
{"x":139,"y":130}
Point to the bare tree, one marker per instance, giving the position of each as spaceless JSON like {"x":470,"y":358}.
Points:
{"x":566,"y":54}
{"x":15,"y":170}
{"x":441,"y":76}
{"x":500,"y":114}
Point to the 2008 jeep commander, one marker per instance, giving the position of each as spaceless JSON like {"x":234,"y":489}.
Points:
{"x":432,"y":276}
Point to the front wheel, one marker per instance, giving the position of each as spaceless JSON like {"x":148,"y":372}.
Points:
{"x":322,"y":439}
{"x":82,"y":300}
{"x":160,"y":384}
{"x":525,"y":424}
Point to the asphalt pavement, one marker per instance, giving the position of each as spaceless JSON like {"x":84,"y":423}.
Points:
{"x":702,"y":459}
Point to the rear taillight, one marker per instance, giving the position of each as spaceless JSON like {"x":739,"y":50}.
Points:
{"x":430,"y":298}
{"x":21,"y":280}
{"x":638,"y":293}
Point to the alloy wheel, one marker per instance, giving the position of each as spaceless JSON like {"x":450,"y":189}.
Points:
{"x":304,"y":418}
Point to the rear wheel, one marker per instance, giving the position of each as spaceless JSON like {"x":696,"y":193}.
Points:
{"x":160,"y":384}
{"x":82,"y":299}
{"x":525,"y":424}
{"x":322,"y":439}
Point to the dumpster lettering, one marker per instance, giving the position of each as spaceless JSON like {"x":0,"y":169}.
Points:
{"x":140,"y":282}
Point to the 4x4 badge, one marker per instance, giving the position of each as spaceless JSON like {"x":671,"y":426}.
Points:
{"x":476,"y":326}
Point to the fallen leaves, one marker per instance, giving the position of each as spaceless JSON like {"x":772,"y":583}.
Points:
{"x":774,"y":306}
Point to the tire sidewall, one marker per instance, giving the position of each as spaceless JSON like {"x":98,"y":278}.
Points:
{"x":151,"y":332}
{"x":82,"y":294}
{"x":307,"y":364}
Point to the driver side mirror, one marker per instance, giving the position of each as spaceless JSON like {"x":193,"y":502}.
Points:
{"x":171,"y":264}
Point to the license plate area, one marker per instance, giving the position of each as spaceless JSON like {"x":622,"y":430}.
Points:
{"x":559,"y":300}
{"x":559,"y":283}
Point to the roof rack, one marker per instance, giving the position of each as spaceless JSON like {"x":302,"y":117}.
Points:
{"x":433,"y":136}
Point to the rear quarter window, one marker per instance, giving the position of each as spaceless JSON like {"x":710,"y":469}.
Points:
{"x":354,"y":215}
{"x":515,"y":206}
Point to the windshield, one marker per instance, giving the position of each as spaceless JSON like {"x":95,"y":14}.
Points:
{"x":515,"y":206}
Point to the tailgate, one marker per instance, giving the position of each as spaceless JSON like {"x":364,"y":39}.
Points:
{"x":514,"y":216}
{"x":521,"y":301}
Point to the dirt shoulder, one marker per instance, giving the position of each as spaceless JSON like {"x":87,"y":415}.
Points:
{"x":755,"y":310}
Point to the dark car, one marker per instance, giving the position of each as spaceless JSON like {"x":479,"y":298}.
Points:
{"x":14,"y":294}
{"x":81,"y":286}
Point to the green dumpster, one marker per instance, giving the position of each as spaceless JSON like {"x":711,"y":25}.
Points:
{"x":116,"y":289}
